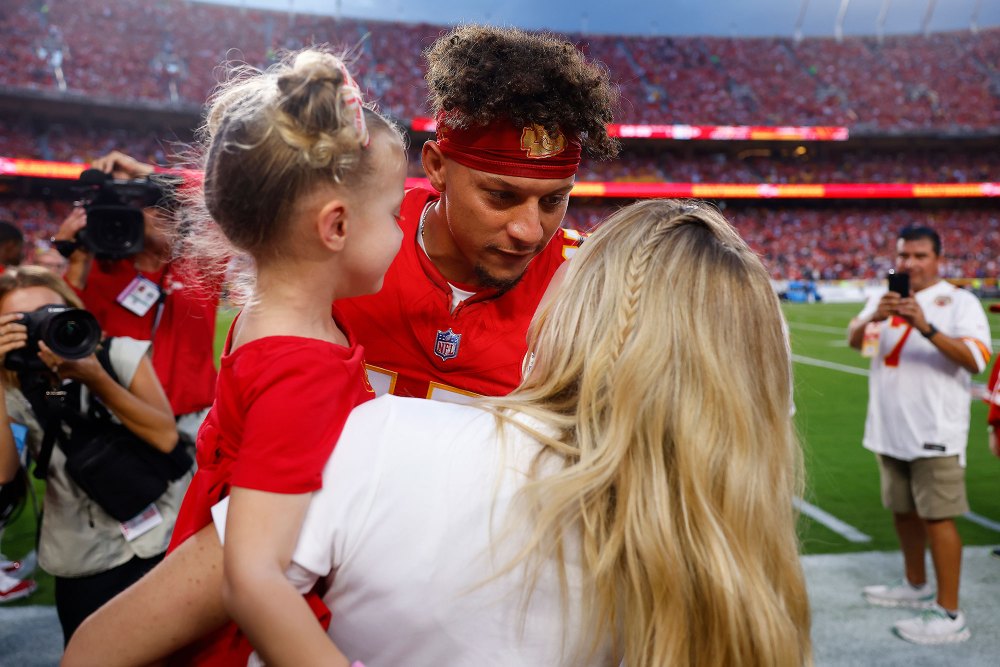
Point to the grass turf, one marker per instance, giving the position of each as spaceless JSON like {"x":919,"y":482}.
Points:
{"x":842,"y":478}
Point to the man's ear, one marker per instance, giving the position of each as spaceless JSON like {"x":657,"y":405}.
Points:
{"x":331,"y":223}
{"x":434,"y":164}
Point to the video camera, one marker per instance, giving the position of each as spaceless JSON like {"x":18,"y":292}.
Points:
{"x":71,"y":333}
{"x":115,"y":226}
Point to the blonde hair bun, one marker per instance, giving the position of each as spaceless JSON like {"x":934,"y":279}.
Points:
{"x":316,"y":111}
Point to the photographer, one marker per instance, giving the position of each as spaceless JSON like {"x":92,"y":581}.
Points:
{"x":142,"y":292}
{"x":72,"y":408}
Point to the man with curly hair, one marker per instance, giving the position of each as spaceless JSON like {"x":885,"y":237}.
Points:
{"x":514,"y":113}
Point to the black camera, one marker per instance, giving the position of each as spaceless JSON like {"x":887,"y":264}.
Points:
{"x":115,"y":226}
{"x":71,"y":333}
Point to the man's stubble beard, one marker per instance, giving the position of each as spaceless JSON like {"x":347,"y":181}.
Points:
{"x":501,"y":285}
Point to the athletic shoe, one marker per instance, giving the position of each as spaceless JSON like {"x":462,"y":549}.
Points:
{"x":900,"y":594}
{"x":995,"y":553}
{"x":933,"y":626}
{"x":15,"y":589}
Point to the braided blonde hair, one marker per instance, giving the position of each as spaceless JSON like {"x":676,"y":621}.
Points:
{"x":663,"y":365}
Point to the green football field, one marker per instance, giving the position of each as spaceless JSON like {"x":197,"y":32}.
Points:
{"x":830,"y":397}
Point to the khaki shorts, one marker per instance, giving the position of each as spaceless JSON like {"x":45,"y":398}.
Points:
{"x":934,"y":487}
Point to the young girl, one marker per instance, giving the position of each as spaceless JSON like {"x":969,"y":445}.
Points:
{"x":307,"y":182}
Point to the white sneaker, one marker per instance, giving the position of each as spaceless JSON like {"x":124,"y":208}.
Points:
{"x":933,"y":626}
{"x":900,"y":594}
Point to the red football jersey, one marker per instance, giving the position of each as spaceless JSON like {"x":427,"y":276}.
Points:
{"x":416,"y":346}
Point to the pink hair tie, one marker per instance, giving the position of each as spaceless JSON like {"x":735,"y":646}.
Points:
{"x":356,"y":106}
{"x":357,"y":663}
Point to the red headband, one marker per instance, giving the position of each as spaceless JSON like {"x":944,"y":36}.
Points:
{"x":502,"y":148}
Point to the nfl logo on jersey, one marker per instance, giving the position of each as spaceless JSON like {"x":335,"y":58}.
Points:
{"x":446,"y":344}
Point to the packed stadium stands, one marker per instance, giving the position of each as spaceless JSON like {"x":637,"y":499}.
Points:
{"x":921,"y":109}
{"x":168,"y":52}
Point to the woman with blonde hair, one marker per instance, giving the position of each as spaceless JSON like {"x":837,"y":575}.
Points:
{"x":630,"y":501}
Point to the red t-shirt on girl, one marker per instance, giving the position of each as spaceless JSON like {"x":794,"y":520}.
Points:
{"x":280,"y":406}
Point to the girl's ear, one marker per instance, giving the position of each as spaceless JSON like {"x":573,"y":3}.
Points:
{"x":331,"y":223}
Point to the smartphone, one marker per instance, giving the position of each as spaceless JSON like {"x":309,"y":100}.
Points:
{"x":899,"y":283}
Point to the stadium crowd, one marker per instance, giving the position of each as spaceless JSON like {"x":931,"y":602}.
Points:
{"x":161,"y":52}
{"x":794,"y":241}
{"x":69,"y":142}
{"x":845,"y":241}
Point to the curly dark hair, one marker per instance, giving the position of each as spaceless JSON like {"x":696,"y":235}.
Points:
{"x":477,"y":74}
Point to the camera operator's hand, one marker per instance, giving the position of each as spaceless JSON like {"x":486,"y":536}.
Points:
{"x":87,"y":370}
{"x":13,"y":335}
{"x":120,"y":165}
{"x":79,"y":260}
{"x":74,"y":222}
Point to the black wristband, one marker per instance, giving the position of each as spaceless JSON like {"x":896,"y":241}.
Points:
{"x":64,"y":247}
{"x":931,"y":330}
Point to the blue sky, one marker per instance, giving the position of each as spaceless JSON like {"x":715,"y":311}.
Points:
{"x":673,"y":17}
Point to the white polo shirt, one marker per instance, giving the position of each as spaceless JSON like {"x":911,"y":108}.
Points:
{"x":918,"y":399}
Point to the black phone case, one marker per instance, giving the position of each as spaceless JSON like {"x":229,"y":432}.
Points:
{"x":900,"y":283}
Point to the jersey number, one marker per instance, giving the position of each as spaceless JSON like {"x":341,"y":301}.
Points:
{"x":892,"y":359}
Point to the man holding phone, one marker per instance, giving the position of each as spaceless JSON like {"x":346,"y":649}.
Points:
{"x":932,"y":337}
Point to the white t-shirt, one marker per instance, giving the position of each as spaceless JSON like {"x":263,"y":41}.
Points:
{"x":918,"y":399}
{"x":404,"y":527}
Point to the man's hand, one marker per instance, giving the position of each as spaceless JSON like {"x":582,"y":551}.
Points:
{"x":886,"y":307}
{"x":73,"y":223}
{"x":120,"y":165}
{"x":911,"y":311}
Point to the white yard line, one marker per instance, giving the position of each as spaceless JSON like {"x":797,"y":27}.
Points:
{"x":982,"y":521}
{"x":809,"y":361}
{"x":840,"y":331}
{"x":848,"y":532}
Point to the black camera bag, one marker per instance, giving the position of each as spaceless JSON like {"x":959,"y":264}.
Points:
{"x":113,"y":466}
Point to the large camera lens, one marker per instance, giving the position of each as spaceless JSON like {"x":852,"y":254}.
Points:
{"x":70,"y":333}
{"x":112,"y":231}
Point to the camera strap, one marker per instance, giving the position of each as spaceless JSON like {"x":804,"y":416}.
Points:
{"x":55,"y":407}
